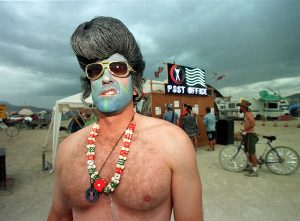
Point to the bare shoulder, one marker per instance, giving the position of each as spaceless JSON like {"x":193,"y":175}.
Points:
{"x":155,"y":126}
{"x":249,"y":115}
{"x":70,"y":144}
{"x":166,"y":136}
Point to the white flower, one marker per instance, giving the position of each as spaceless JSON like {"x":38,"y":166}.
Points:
{"x":90,"y":162}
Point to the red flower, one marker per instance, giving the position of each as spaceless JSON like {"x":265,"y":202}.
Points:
{"x":92,"y":136}
{"x":119,"y":170}
{"x":90,"y":142}
{"x":126,"y":144}
{"x":124,"y":153}
{"x":91,"y":157}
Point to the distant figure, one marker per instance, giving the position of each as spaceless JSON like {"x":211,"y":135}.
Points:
{"x":28,"y":119}
{"x":90,"y":118}
{"x":210,"y":125}
{"x":170,"y":115}
{"x":250,"y":139}
{"x":189,"y":125}
{"x":75,"y":124}
{"x":29,"y":122}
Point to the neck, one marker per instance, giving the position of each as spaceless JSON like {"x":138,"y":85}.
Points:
{"x":114,"y":123}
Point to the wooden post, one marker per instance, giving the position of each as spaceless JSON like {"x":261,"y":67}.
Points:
{"x":151,"y":89}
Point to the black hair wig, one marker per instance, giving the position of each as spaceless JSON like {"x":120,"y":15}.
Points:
{"x":99,"y":39}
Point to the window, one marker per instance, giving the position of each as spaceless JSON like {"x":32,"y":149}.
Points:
{"x":231,"y":105}
{"x":271,"y":105}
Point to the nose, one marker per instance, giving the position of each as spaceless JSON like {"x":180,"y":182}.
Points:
{"x":107,"y":77}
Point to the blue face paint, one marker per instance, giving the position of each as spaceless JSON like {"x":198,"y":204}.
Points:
{"x":111,"y":94}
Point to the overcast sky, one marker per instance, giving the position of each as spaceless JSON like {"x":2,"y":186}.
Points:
{"x":255,"y":43}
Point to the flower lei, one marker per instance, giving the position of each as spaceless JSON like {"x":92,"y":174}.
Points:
{"x":97,"y":183}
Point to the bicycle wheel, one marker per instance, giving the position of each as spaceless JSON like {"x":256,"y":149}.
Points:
{"x":232,"y":160}
{"x":286,"y":164}
{"x":12,"y":131}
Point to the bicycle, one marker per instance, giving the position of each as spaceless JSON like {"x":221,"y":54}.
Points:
{"x":280,"y":160}
{"x":14,"y":129}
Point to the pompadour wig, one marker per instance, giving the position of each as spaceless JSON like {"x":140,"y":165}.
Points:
{"x":99,"y":39}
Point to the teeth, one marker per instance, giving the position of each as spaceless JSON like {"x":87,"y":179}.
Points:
{"x":111,"y":92}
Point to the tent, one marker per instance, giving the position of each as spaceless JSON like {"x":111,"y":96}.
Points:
{"x":294,"y":109}
{"x":64,"y":105}
{"x":265,"y":96}
{"x":25,"y":112}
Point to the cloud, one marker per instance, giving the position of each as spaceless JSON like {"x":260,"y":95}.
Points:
{"x":282,"y":86}
{"x":255,"y":42}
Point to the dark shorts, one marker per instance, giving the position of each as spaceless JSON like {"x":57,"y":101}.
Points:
{"x":211,"y":135}
{"x":250,"y":142}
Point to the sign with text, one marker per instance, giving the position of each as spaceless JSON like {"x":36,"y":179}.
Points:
{"x":3,"y":111}
{"x":185,"y":80}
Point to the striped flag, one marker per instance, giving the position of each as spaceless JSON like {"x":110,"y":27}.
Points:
{"x":156,"y":73}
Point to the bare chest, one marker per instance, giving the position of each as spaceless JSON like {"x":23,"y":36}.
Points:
{"x":145,"y":183}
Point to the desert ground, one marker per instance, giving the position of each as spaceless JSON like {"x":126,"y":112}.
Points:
{"x":226,"y":196}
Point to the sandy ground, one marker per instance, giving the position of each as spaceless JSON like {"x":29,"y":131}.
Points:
{"x":226,"y":196}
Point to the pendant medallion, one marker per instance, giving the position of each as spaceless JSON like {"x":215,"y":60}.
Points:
{"x":92,"y":195}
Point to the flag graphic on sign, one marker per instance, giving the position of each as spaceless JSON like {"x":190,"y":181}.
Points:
{"x":195,"y":76}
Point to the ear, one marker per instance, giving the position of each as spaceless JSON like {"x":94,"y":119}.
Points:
{"x":135,"y":91}
{"x":136,"y":94}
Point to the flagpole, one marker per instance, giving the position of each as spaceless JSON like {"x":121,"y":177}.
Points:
{"x":167,"y":70}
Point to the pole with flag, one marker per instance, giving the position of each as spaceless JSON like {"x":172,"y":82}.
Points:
{"x":159,"y":70}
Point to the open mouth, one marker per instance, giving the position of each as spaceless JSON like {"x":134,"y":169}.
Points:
{"x":109,"y":92}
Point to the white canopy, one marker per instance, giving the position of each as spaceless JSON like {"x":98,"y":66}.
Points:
{"x":64,"y":105}
{"x":25,"y":112}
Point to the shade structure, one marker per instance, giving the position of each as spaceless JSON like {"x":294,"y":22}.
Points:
{"x":25,"y":112}
{"x":73,"y":102}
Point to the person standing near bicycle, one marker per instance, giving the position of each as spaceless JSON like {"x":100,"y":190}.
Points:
{"x":250,"y":139}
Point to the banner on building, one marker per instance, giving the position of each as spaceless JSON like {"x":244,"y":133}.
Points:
{"x":185,"y":80}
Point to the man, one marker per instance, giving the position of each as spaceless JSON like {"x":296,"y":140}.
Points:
{"x":171,"y":115}
{"x":189,"y":125}
{"x":127,"y":166}
{"x":28,"y":121}
{"x":90,"y":118}
{"x":210,"y":125}
{"x":250,"y":137}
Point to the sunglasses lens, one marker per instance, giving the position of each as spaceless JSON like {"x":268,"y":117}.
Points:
{"x":93,"y":70}
{"x":118,"y":68}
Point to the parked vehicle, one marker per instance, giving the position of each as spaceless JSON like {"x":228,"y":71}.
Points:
{"x":14,"y":119}
{"x":260,"y":108}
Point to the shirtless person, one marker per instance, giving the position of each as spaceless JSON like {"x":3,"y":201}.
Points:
{"x":250,"y":139}
{"x":126,"y":167}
